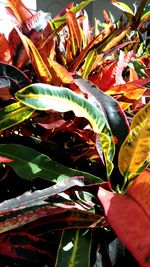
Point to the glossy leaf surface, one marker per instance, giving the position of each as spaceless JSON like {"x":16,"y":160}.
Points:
{"x":29,"y":164}
{"x":45,"y":97}
{"x":74,"y":249}
{"x":134,"y":151}
{"x":14,"y":114}
{"x":129,"y":216}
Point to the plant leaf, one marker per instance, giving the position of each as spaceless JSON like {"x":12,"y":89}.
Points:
{"x":75,"y":33}
{"x":45,"y":97}
{"x":38,"y":197}
{"x":88,"y":63}
{"x":20,"y":10}
{"x":16,"y":77}
{"x":36,"y":59}
{"x":29,"y":164}
{"x":58,"y":21}
{"x":129,"y":216}
{"x":20,"y":245}
{"x":74,"y":249}
{"x":134,"y":151}
{"x":5,"y":50}
{"x":122,"y":6}
{"x":115,"y":116}
{"x":14,"y":114}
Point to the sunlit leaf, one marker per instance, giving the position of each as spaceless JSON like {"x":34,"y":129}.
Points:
{"x":128,"y":215}
{"x":58,"y":21}
{"x":36,"y":59}
{"x":88,"y":63}
{"x":14,"y":114}
{"x":5,"y":50}
{"x":29,"y":164}
{"x":74,"y":248}
{"x":122,"y":6}
{"x":45,"y":97}
{"x":75,"y":33}
{"x":135,"y":150}
{"x":20,"y":10}
{"x":38,"y":197}
{"x":61,"y":74}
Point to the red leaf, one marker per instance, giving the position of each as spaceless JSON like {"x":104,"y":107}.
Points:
{"x":129,"y":216}
{"x":21,"y":245}
{"x":4,"y":159}
{"x":5,"y":50}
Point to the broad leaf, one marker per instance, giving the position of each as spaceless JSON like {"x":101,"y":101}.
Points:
{"x":115,"y":116}
{"x":129,"y":216}
{"x":134,"y":151}
{"x":45,"y":97}
{"x":14,"y":114}
{"x":29,"y":164}
{"x":74,"y":249}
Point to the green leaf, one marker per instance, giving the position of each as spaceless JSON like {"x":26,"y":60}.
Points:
{"x":14,"y":114}
{"x":74,"y":249}
{"x":45,"y":97}
{"x":134,"y":151}
{"x":30,"y":164}
{"x":59,"y":21}
{"x":91,"y":57}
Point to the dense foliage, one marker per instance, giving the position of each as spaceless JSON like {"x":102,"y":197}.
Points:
{"x":74,"y":136}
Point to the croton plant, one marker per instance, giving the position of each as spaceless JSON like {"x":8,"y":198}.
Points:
{"x":74,"y":136}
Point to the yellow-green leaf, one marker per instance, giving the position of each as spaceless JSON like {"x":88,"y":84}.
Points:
{"x":45,"y":97}
{"x":91,"y":57}
{"x":135,"y":150}
{"x":14,"y":114}
{"x":122,"y":6}
{"x":36,"y":59}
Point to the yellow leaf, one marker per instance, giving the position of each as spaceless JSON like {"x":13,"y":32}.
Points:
{"x":135,"y":150}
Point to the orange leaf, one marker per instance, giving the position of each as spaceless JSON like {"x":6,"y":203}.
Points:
{"x":61,"y":72}
{"x":5,"y":50}
{"x":20,"y":10}
{"x":75,"y":33}
{"x":129,"y":216}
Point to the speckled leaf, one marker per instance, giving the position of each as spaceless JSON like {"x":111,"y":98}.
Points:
{"x":135,"y":150}
{"x":14,"y":114}
{"x":45,"y":97}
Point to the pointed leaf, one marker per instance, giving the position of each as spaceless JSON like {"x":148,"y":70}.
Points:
{"x":58,"y":21}
{"x":45,"y":97}
{"x":88,"y":63}
{"x":5,"y":50}
{"x":134,"y":151}
{"x":36,"y":59}
{"x":61,"y":73}
{"x":14,"y":114}
{"x":122,"y":6}
{"x":74,"y":249}
{"x":17,"y":78}
{"x":29,"y":164}
{"x":75,"y":33}
{"x":20,"y":10}
{"x":36,"y":198}
{"x":129,"y":216}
